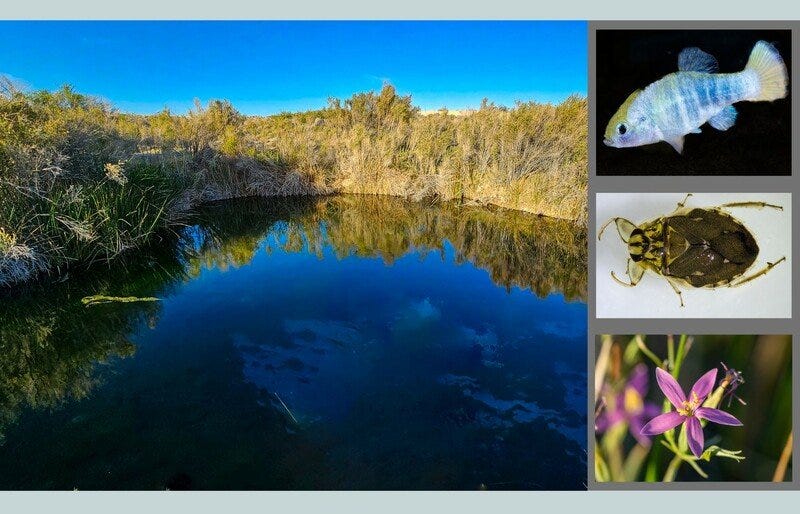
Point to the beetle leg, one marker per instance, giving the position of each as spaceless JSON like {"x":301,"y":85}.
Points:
{"x":677,"y":291}
{"x":683,"y":203}
{"x":634,"y":271}
{"x":752,"y":205}
{"x":620,"y":281}
{"x":634,"y":278}
{"x":762,"y":271}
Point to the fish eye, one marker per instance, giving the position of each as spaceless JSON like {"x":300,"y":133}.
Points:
{"x":621,"y":128}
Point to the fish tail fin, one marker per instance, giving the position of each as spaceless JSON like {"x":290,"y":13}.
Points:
{"x":773,"y":77}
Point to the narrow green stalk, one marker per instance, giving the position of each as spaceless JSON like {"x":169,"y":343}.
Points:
{"x":671,"y":352}
{"x":647,"y":351}
{"x":680,"y":356}
{"x":672,"y":469}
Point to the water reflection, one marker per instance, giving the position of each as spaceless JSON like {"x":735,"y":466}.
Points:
{"x":50,"y":343}
{"x":517,"y":249}
{"x":311,"y":343}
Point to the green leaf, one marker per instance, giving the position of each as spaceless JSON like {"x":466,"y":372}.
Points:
{"x":716,"y":451}
{"x":601,"y":472}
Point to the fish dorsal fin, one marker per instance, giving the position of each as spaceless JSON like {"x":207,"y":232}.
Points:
{"x":694,"y":59}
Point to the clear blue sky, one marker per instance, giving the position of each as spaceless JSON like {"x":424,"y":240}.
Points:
{"x":269,"y":67}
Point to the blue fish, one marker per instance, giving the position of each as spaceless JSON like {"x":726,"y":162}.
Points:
{"x":681,"y":102}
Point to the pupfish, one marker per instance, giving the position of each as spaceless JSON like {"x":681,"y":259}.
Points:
{"x":678,"y":104}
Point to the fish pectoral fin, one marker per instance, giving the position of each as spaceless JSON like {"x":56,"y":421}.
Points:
{"x":694,"y":59}
{"x":724,"y":119}
{"x":676,"y":143}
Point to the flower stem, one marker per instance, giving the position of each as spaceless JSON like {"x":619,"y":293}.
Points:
{"x":697,"y":468}
{"x":679,"y":356}
{"x":633,"y":464}
{"x":672,"y":469}
{"x":649,"y":353}
{"x":783,"y":463}
{"x":671,"y":351}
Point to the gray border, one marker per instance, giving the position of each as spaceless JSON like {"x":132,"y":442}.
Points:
{"x":679,"y":184}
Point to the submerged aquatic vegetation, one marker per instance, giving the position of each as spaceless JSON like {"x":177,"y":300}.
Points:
{"x":98,"y":299}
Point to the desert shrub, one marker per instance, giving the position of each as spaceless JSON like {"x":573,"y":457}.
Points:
{"x":81,"y":182}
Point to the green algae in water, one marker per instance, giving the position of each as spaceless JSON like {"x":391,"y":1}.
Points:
{"x":98,"y":299}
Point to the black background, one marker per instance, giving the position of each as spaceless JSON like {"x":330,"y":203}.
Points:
{"x":760,"y":141}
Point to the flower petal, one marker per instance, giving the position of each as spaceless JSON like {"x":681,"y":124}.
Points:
{"x":717,"y":416}
{"x":651,"y":410}
{"x":636,"y":431}
{"x":704,"y":384}
{"x":694,"y":436}
{"x":607,"y":420}
{"x":662,"y":423}
{"x":638,"y":379}
{"x":672,"y":390}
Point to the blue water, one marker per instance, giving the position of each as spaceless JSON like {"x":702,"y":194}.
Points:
{"x":345,"y":343}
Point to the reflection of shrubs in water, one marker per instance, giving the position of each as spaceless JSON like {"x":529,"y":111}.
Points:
{"x":516,"y":248}
{"x":50,"y":342}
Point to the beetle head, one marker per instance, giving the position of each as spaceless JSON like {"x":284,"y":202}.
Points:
{"x":638,"y":245}
{"x":646,"y":243}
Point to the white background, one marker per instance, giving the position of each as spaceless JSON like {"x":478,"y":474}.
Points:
{"x":768,"y":296}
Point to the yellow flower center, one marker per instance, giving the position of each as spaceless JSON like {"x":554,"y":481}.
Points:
{"x":633,"y":401}
{"x":689,"y":406}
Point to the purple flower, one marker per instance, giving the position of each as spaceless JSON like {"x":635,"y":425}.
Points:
{"x":629,"y":406}
{"x":689,"y":410}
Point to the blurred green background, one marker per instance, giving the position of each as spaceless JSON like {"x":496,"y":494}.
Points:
{"x":765,"y":362}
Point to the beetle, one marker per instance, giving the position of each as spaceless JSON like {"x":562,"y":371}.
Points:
{"x":692,"y":247}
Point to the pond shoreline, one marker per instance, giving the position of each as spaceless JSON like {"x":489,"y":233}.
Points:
{"x":185,"y":212}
